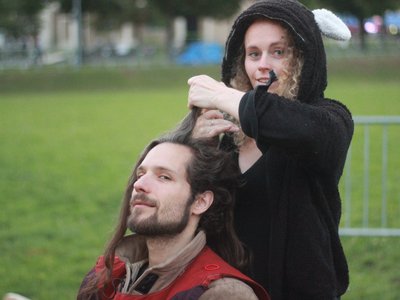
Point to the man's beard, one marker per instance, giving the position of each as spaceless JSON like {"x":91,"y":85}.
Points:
{"x":153,"y":227}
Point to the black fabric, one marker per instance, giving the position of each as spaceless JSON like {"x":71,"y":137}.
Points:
{"x":304,"y":145}
{"x":145,"y":285}
{"x":191,"y":294}
{"x":305,"y":148}
{"x":252,"y":202}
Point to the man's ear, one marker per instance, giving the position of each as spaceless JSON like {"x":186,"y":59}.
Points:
{"x":202,"y":202}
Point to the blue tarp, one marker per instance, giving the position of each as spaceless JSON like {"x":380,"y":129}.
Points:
{"x":200,"y":53}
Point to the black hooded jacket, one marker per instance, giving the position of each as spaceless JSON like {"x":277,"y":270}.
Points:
{"x":304,"y":145}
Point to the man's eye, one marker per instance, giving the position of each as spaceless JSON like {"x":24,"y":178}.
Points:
{"x":165,"y":177}
{"x":279,"y":52}
{"x":253,"y":54}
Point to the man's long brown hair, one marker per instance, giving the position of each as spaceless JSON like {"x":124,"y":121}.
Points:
{"x":209,"y":169}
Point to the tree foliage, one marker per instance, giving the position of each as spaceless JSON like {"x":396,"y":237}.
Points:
{"x":194,"y":9}
{"x":20,"y":17}
{"x":200,"y":8}
{"x":112,"y":13}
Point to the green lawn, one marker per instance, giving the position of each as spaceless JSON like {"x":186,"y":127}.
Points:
{"x":69,"y":139}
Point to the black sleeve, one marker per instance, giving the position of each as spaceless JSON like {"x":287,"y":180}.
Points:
{"x":315,"y":132}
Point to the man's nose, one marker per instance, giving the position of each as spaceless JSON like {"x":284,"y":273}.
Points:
{"x":142,"y":184}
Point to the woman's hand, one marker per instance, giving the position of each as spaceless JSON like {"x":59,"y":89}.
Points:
{"x":205,"y":92}
{"x":212,"y":123}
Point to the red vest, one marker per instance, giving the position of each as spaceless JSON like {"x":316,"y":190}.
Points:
{"x":204,"y":269}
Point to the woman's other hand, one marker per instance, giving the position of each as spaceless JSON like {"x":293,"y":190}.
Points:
{"x":211,"y":123}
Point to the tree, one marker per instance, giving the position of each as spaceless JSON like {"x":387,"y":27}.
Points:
{"x":20,"y":18}
{"x":111,"y":14}
{"x":194,"y":9}
{"x":361,"y":9}
{"x":19,"y":21}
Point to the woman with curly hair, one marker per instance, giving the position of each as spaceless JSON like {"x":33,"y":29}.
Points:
{"x":290,"y":143}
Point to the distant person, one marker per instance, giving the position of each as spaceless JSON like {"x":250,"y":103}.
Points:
{"x":179,"y":204}
{"x":37,"y":54}
{"x":290,"y":144}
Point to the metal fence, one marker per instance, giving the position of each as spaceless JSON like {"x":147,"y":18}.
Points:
{"x":370,"y":185}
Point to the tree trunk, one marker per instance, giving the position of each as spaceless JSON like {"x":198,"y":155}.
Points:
{"x":192,"y":29}
{"x":170,"y":38}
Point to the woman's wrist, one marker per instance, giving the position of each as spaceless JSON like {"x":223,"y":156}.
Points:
{"x":229,"y":100}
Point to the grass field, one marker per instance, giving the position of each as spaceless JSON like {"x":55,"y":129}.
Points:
{"x":69,"y":139}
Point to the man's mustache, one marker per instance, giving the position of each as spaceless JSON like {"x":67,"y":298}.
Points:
{"x":142,"y":198}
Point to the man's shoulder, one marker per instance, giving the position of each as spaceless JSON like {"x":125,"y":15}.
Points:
{"x":222,"y":281}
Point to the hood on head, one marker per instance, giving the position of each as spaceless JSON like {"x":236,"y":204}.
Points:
{"x":307,"y":37}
